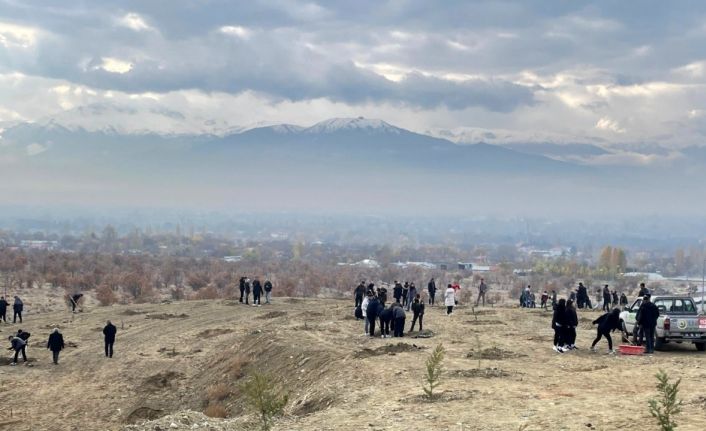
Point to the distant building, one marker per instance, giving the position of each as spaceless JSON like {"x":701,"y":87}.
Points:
{"x":39,"y":245}
{"x":365,"y":263}
{"x":232,"y":259}
{"x":425,"y":265}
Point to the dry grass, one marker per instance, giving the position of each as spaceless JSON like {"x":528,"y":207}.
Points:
{"x":236,"y":366}
{"x":218,"y":392}
{"x":216,"y":410}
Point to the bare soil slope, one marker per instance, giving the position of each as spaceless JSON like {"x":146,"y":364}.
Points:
{"x":169,"y":357}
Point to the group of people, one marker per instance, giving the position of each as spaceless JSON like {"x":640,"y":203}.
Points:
{"x":246,"y":286}
{"x":565,"y":319}
{"x":55,"y":343}
{"x":579,"y":297}
{"x":370,"y":305}
{"x":17,"y":307}
{"x":392,"y":318}
{"x":609,"y":298}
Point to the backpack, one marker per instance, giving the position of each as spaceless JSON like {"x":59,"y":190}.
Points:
{"x":358,"y":312}
{"x":24,"y":335}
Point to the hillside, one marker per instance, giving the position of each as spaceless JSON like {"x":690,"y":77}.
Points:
{"x":170,"y":357}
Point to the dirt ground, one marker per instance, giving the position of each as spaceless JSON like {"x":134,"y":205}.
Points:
{"x":169,"y":356}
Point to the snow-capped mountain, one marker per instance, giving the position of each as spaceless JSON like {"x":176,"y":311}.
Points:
{"x":332,"y":164}
{"x":335,"y":125}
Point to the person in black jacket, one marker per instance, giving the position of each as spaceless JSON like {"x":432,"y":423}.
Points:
{"x":607,"y":323}
{"x":268,"y":292}
{"x":623,"y":300}
{"x":399,"y":315}
{"x":386,"y":320}
{"x":17,"y":308}
{"x":3,"y":309}
{"x":572,"y":321}
{"x":581,"y":295}
{"x":18,"y":345}
{"x":247,"y":291}
{"x":558,"y":324}
{"x":372,"y":313}
{"x":643,"y":290}
{"x":382,"y":296}
{"x":55,"y":344}
{"x":358,"y":293}
{"x":109,"y":332}
{"x":242,"y":288}
{"x":606,"y":298}
{"x":397,"y":292}
{"x":648,"y":315}
{"x":75,"y":298}
{"x":431,"y":289}
{"x":418,"y":310}
{"x":256,"y":292}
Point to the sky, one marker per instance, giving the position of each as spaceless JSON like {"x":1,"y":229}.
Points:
{"x":628,"y":73}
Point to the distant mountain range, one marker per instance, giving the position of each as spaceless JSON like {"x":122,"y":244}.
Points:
{"x":337,"y":164}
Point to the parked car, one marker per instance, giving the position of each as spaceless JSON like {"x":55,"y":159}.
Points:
{"x":679,"y":321}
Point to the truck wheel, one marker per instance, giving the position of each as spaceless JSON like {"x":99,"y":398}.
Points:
{"x":659,"y":343}
{"x":700,"y":346}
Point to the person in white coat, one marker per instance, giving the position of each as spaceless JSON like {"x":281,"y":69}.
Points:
{"x":364,"y":308}
{"x":449,"y":299}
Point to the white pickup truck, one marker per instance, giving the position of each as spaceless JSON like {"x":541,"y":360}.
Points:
{"x":678,"y":322}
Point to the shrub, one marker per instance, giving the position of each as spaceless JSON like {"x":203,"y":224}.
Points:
{"x":105,"y":295}
{"x":217,"y":392}
{"x":261,"y":394}
{"x":236,"y":366}
{"x":433,"y":370}
{"x":666,"y":405}
{"x":209,"y":292}
{"x":215,"y":410}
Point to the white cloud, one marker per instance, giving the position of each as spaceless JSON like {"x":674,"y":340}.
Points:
{"x":457,"y":45}
{"x":606,"y":123}
{"x":134,"y":22}
{"x":114,"y":65}
{"x":696,"y":69}
{"x":17,"y":36}
{"x":34,"y":149}
{"x":237,"y":31}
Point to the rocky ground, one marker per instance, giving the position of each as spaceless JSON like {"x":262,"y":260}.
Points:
{"x":173,"y":360}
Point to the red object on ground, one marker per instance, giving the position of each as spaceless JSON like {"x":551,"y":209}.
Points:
{"x":626,"y":349}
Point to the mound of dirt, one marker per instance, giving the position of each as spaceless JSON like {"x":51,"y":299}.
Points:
{"x":272,"y":315}
{"x":485,"y":312}
{"x":143,"y":413}
{"x":315,"y":404}
{"x":486,"y":373}
{"x":182,"y":421}
{"x":443,"y":396}
{"x":215,"y":332}
{"x":390,"y":349}
{"x":130,"y":312}
{"x":495,"y":353}
{"x":423,"y":334}
{"x":165,"y":316}
{"x":485,"y":322}
{"x":589,"y":368}
{"x":162,"y":380}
